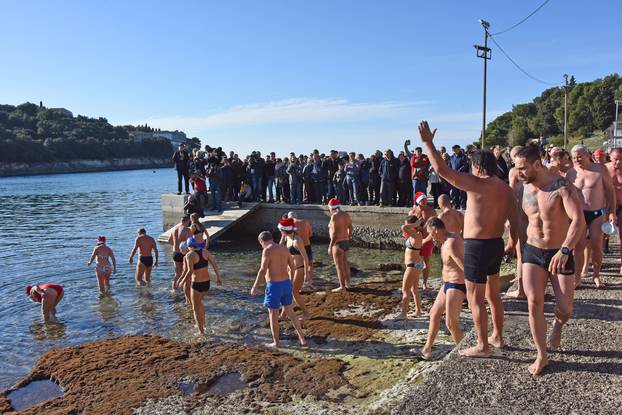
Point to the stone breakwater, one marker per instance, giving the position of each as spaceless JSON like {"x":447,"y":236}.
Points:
{"x":81,"y":166}
{"x":358,"y":361}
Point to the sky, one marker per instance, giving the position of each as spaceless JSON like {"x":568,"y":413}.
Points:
{"x":294,"y":75}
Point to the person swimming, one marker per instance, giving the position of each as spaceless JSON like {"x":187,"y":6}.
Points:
{"x":103,"y":256}
{"x":49,"y":295}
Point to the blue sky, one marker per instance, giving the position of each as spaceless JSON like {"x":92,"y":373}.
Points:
{"x":293,"y":75}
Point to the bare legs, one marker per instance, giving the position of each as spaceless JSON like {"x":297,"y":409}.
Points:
{"x":140,"y":272}
{"x":103,"y":281}
{"x":451,"y":305}
{"x":563,"y":287}
{"x":493,"y":296}
{"x":340,"y":257}
{"x":410,"y":286}
{"x":426,"y":273}
{"x":519,"y":293}
{"x":595,"y":241}
{"x":297,"y":283}
{"x":199,"y":310}
{"x":535,"y":279}
{"x":475,"y":294}
{"x":274,"y":325}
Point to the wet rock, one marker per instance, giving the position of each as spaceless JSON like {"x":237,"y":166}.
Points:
{"x":389,"y":267}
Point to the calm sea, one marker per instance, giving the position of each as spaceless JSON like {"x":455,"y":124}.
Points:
{"x":49,"y":225}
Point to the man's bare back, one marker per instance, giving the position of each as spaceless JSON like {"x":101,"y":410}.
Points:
{"x":453,"y":220}
{"x":179,"y":234}
{"x":278,"y":259}
{"x":340,"y":227}
{"x":145,"y":244}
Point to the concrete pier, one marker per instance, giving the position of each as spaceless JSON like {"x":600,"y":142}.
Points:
{"x":374,"y":226}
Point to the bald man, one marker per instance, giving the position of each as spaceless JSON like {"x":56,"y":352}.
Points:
{"x":453,"y":219}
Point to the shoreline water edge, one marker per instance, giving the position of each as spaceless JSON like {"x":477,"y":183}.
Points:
{"x":82,"y":166}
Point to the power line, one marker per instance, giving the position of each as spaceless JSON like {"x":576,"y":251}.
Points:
{"x":522,"y":21}
{"x":518,"y":66}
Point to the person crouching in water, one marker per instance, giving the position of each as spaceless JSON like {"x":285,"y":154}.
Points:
{"x":453,"y":291}
{"x":49,"y":295}
{"x":196,"y":263}
{"x":300,"y":270}
{"x":414,"y":265}
{"x":275,"y":259}
{"x":103,"y":255}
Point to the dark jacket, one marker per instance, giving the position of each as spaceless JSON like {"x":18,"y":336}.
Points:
{"x":459,"y":162}
{"x":404,"y":172}
{"x":389,"y":170}
{"x":374,"y":168}
{"x":182,"y":161}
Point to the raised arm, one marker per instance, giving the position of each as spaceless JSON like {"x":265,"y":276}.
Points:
{"x":261,"y":274}
{"x":406,"y":150}
{"x":572,"y":205}
{"x":460,"y":180}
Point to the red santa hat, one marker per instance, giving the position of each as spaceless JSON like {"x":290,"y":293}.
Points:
{"x":101,"y":239}
{"x":286,"y":225}
{"x":420,"y":197}
{"x":334,"y":203}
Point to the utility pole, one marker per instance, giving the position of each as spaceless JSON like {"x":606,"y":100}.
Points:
{"x":566,"y":112}
{"x":484,"y":52}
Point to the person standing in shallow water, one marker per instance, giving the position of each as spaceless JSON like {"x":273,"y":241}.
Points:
{"x":145,"y":245}
{"x":275,"y":260}
{"x":490,"y":203}
{"x":340,"y":231}
{"x":103,"y":255}
{"x":414,"y":265}
{"x":180,"y":233}
{"x":453,"y":291}
{"x":197,"y":263}
{"x":49,"y":295}
{"x":295,"y":245}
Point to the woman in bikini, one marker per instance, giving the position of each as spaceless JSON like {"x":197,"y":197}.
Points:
{"x":103,"y":255}
{"x":199,"y":231}
{"x":296,"y":247}
{"x":49,"y":295}
{"x":414,"y":265}
{"x":187,"y":287}
{"x":197,"y":261}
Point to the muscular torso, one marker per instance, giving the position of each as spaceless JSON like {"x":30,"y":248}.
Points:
{"x":452,"y":219}
{"x":548,"y":221}
{"x":278,"y":260}
{"x":145,"y":245}
{"x":488,"y":208}
{"x":303,"y":228}
{"x":589,"y":181}
{"x":338,"y":227}
{"x":451,"y":271}
{"x":616,"y":176}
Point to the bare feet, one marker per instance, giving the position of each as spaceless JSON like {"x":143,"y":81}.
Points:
{"x":426,"y":353}
{"x":272,"y":345}
{"x":417,"y":313}
{"x":496,"y":341}
{"x":302,"y":341}
{"x":598,"y":283}
{"x":401,"y":317}
{"x":475,"y":351}
{"x":305,"y":317}
{"x":516,"y":294}
{"x":538,"y":366}
{"x":338,"y":289}
{"x":555,"y":338}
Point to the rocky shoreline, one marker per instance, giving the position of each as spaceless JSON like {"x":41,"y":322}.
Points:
{"x":81,"y":166}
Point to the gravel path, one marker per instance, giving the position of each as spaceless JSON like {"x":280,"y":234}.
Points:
{"x":585,"y":377}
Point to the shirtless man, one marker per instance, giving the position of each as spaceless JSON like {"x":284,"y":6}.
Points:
{"x":145,"y":244}
{"x":517,"y":186}
{"x":304,"y":230}
{"x":340,"y":231}
{"x":614,"y":167}
{"x":490,"y":203}
{"x":598,"y":202}
{"x":556,"y":225}
{"x":180,"y":233}
{"x":424,"y":212}
{"x":453,"y":219}
{"x":275,"y":260}
{"x":453,"y":291}
{"x":103,"y":255}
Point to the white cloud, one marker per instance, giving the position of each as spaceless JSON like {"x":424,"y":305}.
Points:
{"x":299,"y":110}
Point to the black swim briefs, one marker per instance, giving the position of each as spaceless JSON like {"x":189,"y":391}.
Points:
{"x":343,"y":245}
{"x":201,"y":286}
{"x":450,"y":285}
{"x":542,"y":257}
{"x":591,"y":215}
{"x":482,"y":257}
{"x":146,"y":261}
{"x":178,"y":257}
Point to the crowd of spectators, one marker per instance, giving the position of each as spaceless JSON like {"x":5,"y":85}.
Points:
{"x":382,"y":179}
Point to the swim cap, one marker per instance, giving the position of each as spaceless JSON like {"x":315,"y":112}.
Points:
{"x":292,"y":214}
{"x":334,"y":203}
{"x":101,"y":239}
{"x":28,"y":288}
{"x":192,"y":243}
{"x":420,"y":197}
{"x":286,"y":225}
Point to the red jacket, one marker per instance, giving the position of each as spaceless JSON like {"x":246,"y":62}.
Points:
{"x":420,"y":167}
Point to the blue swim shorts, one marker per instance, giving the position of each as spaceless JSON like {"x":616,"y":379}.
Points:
{"x":278,"y":294}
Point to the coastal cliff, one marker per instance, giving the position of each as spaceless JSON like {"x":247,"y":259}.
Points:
{"x":80,"y":166}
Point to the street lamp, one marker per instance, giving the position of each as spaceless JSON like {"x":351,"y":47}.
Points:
{"x":485,"y":53}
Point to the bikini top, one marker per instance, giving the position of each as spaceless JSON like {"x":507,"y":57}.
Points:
{"x":409,"y":245}
{"x":293,"y":250}
{"x":202,"y":263}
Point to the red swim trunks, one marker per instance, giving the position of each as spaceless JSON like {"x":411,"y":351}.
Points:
{"x":427,"y":248}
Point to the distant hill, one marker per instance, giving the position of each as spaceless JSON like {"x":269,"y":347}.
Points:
{"x":31,"y":133}
{"x":591,"y":108}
